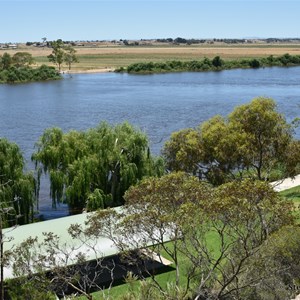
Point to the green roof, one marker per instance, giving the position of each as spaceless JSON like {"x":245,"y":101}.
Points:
{"x":16,"y":235}
{"x":92,"y":248}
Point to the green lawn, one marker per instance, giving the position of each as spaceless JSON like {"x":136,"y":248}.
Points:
{"x":166,"y":276}
{"x":292,"y":194}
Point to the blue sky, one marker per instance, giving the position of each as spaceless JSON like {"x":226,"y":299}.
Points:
{"x":22,"y":21}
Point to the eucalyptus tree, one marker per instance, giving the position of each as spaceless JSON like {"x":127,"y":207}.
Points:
{"x":62,"y":53}
{"x":22,"y":59}
{"x":275,"y":267}
{"x":254,"y":141}
{"x":57,"y":55}
{"x":93,"y":169}
{"x":70,"y":56}
{"x":215,"y":233}
{"x":5,"y":61}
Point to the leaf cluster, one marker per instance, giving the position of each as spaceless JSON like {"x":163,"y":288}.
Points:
{"x":253,"y":141}
{"x":17,"y":188}
{"x":215,"y":232}
{"x":62,"y":53}
{"x":93,"y":169}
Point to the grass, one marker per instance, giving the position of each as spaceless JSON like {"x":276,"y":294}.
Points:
{"x":166,"y":275}
{"x":292,"y":194}
{"x":120,"y":56}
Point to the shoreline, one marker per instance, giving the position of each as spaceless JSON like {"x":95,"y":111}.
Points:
{"x":89,"y":71}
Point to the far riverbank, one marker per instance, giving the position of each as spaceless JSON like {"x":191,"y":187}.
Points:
{"x":113,"y":56}
{"x":90,"y":71}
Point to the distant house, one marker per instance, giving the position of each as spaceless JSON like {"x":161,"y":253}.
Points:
{"x":12,"y":46}
{"x":3,"y":46}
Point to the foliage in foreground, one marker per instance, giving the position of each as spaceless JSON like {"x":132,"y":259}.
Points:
{"x":17,"y":188}
{"x":253,"y":141}
{"x":225,"y":243}
{"x":238,"y":216}
{"x":275,"y":267}
{"x":215,"y":64}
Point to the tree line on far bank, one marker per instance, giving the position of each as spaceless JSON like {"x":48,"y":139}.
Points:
{"x":215,"y":64}
{"x":18,"y":69}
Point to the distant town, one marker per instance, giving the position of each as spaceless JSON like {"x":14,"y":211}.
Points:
{"x":152,"y":42}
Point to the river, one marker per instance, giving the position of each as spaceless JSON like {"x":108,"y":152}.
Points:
{"x":159,"y":104}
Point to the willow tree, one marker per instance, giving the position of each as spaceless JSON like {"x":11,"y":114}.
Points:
{"x":94,"y":168}
{"x":254,"y":141}
{"x":17,"y":189}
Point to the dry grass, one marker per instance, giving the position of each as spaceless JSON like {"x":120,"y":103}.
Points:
{"x":110,"y":57}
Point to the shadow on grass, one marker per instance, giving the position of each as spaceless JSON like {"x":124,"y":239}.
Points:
{"x":113,"y":271}
{"x":293,"y":194}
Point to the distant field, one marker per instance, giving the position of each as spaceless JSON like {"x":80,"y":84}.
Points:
{"x":111,"y":57}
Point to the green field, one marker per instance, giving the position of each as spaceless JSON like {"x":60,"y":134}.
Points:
{"x":292,"y":194}
{"x":111,"y":57}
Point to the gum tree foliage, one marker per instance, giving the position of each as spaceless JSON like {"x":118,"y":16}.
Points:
{"x":253,"y":141}
{"x":70,"y":56}
{"x":5,"y":61}
{"x":62,"y":53}
{"x":22,"y":59}
{"x":57,"y":55}
{"x":93,"y":169}
{"x":276,"y":267}
{"x":17,"y":188}
{"x":19,"y":59}
{"x":215,"y":232}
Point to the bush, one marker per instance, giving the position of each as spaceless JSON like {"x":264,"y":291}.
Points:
{"x":46,"y":73}
{"x":254,"y":63}
{"x":215,"y":64}
{"x":28,"y":74}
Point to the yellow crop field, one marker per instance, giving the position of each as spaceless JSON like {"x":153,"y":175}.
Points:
{"x":106,"y":58}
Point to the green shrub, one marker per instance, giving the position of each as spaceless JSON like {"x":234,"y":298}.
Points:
{"x":215,"y":64}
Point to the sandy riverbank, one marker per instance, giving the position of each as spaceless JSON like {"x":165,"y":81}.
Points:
{"x":102,"y":70}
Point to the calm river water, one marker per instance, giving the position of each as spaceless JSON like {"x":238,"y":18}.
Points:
{"x":158,"y":104}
